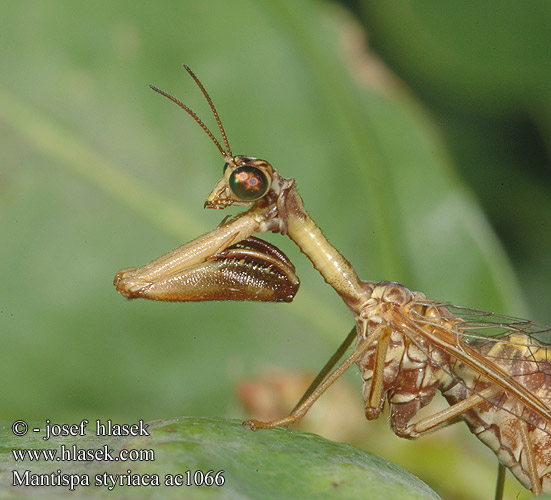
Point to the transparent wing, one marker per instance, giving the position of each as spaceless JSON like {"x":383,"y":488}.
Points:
{"x":487,"y":326}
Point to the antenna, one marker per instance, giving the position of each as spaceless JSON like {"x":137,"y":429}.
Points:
{"x":227,"y":153}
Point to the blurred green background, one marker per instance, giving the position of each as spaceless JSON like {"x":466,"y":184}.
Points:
{"x":438,"y":178}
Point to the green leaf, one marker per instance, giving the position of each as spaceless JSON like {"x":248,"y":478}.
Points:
{"x":266,"y":465}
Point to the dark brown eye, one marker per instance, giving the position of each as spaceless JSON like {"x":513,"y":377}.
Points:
{"x":248,"y":183}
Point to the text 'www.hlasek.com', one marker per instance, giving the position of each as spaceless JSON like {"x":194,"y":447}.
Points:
{"x":71,"y":455}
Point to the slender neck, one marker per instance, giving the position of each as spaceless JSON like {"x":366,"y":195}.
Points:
{"x":334,"y":268}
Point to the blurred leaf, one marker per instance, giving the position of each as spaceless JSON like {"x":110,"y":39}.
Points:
{"x":483,"y":70}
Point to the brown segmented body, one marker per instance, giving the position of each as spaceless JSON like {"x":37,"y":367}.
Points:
{"x":415,"y":369}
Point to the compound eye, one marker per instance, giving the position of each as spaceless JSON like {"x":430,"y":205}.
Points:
{"x":248,"y":183}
